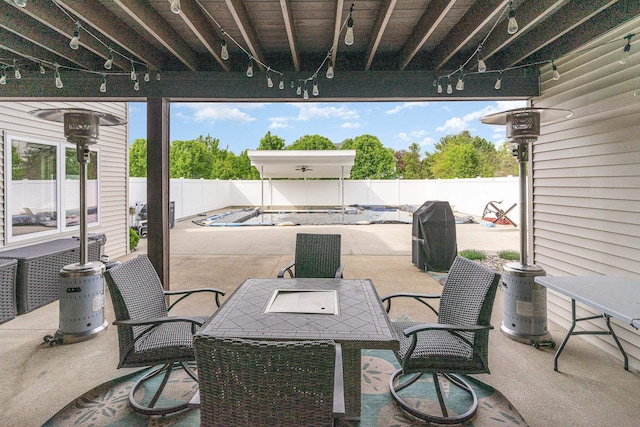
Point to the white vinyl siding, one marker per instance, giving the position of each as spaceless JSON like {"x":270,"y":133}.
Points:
{"x":586,"y":177}
{"x":113,"y":152}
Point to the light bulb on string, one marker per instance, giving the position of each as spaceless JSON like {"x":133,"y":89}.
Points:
{"x":109,"y":62}
{"x":134,"y":76}
{"x":281,"y":85}
{"x":439,"y":86}
{"x":3,"y":78}
{"x":330,"y":72}
{"x":269,"y":80}
{"x":136,"y":85}
{"x":16,"y":71}
{"x":315,"y":91}
{"x":58,"y":79}
{"x":20,"y":3}
{"x":224,"y":51}
{"x":147,"y":77}
{"x":305,"y":94}
{"x":512,"y":26}
{"x":348,"y":37}
{"x":158,"y":76}
{"x":42,"y":70}
{"x":103,"y":86}
{"x":299,"y":89}
{"x":250,"y":68}
{"x":460,"y":83}
{"x":449,"y":87}
{"x":626,"y":51}
{"x":75,"y":40}
{"x":498,"y":84}
{"x":556,"y":73}
{"x":175,"y":6}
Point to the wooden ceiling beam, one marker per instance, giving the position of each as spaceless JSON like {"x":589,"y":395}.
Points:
{"x":196,"y":20}
{"x":290,"y":28}
{"x":103,"y":20}
{"x":241,"y":18}
{"x":384,"y":14}
{"x":478,"y":17}
{"x":563,"y":22}
{"x":429,"y":22}
{"x":34,"y":32}
{"x":337,"y":28}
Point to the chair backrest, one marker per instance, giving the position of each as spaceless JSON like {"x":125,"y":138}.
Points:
{"x":467,"y":298}
{"x":317,"y":255}
{"x":265,"y":383}
{"x":137,"y":294}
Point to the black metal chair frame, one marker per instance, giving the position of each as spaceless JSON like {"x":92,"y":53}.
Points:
{"x":317,"y":255}
{"x":161,"y":341}
{"x":464,"y":345}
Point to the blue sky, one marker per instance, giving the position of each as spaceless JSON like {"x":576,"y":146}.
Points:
{"x":240,"y":126}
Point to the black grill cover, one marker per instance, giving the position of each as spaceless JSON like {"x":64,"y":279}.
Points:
{"x":434,"y":245}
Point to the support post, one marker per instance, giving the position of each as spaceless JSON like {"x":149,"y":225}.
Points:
{"x":158,"y":186}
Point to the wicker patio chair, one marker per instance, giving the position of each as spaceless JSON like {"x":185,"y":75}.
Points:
{"x":317,"y":255}
{"x":147,"y":335}
{"x":269,"y":383}
{"x":457,"y":344}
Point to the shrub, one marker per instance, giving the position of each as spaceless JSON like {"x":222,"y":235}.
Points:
{"x":134,"y":238}
{"x":509,"y":255}
{"x":473,"y":254}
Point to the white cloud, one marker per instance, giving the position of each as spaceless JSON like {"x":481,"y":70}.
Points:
{"x":279,"y":122}
{"x":350,"y":125}
{"x":309,"y":111}
{"x":458,"y":124}
{"x":216,"y":112}
{"x":406,"y":105}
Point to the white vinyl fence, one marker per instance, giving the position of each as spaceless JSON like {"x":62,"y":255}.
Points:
{"x":467,"y":196}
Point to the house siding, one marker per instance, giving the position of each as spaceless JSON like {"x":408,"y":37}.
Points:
{"x":113,"y":170}
{"x":586,"y":177}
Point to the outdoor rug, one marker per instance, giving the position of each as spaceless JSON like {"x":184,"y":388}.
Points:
{"x":108,"y":405}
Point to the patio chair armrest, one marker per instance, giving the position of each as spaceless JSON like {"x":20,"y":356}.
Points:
{"x":338,"y":384}
{"x":339,"y":271}
{"x":159,"y":320}
{"x":421,"y":298}
{"x":444,"y":327}
{"x":189,"y":292}
{"x":287,"y":268}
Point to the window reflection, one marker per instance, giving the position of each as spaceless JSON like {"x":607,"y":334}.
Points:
{"x":33,"y":189}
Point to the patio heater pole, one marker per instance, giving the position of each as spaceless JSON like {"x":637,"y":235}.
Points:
{"x":81,"y":284}
{"x":524,"y":301}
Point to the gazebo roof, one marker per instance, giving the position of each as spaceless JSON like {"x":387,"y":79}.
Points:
{"x":303,"y":163}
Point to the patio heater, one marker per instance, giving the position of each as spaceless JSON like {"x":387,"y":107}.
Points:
{"x":524,"y":301}
{"x":82,"y":284}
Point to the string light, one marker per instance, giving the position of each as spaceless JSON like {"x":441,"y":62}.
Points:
{"x":330,"y":72}
{"x":299,"y":90}
{"x":498,"y":84}
{"x":348,"y":37}
{"x":482,"y":66}
{"x":315,"y":91}
{"x":269,"y":80}
{"x":3,"y":78}
{"x":103,"y":86}
{"x":305,"y":95}
{"x":56,"y":74}
{"x":250,"y":68}
{"x":158,"y":76}
{"x":147,"y":77}
{"x":439,"y":86}
{"x":281,"y":85}
{"x":626,"y":51}
{"x":175,"y":7}
{"x":460,"y":84}
{"x":136,"y":85}
{"x":109,"y":62}
{"x":556,"y":73}
{"x":224,"y":51}
{"x":134,"y":76}
{"x":75,"y":40}
{"x":512,"y":26}
{"x":449,"y":87}
{"x":20,"y":3}
{"x":16,"y":71}
{"x":42,"y":70}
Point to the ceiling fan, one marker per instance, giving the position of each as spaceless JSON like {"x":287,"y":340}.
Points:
{"x":303,"y":169}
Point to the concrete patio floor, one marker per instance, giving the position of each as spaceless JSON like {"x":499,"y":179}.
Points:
{"x":592,"y":388}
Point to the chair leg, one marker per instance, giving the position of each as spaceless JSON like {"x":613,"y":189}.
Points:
{"x":150,"y":408}
{"x":456,"y":380}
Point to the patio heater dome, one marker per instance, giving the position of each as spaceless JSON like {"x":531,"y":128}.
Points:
{"x":525,"y":302}
{"x":81,"y":284}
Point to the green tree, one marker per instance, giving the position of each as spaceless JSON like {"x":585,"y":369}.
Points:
{"x":271,"y":142}
{"x":372,"y":160}
{"x":457,"y":161}
{"x":138,"y":158}
{"x":312,"y":142}
{"x":412,"y":164}
{"x":190,"y":159}
{"x":505,"y":163}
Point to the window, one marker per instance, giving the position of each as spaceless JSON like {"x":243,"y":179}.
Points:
{"x":45,"y":180}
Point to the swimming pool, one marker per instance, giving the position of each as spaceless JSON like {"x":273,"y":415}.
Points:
{"x":359,"y":215}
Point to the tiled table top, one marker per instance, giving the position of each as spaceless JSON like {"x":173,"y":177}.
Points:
{"x":361,"y":321}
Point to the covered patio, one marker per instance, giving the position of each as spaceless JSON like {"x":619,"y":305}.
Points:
{"x":591,"y":389}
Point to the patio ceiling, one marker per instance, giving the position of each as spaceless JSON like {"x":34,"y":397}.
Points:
{"x":303,"y":163}
{"x":399,"y":48}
